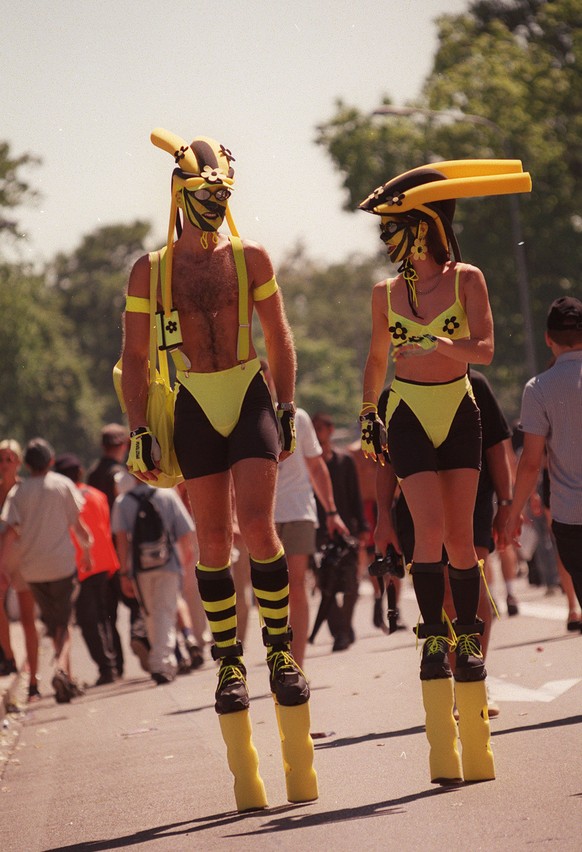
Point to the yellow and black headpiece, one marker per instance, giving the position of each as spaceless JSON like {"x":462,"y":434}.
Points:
{"x":429,"y":192}
{"x":202,"y":183}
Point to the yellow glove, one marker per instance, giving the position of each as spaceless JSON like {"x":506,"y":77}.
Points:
{"x":374,"y":440}
{"x":144,"y":451}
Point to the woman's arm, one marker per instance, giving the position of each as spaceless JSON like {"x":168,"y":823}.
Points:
{"x":377,"y":361}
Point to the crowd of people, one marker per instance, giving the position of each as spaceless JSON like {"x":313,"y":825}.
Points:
{"x":323,"y":500}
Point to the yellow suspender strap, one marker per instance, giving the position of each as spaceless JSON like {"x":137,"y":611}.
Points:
{"x":243,"y":342}
{"x":155,"y":353}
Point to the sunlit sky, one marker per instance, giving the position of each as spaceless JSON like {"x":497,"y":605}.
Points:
{"x":84,"y":83}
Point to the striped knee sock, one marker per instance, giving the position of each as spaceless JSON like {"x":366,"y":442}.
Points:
{"x":270,"y":580}
{"x":219,"y":600}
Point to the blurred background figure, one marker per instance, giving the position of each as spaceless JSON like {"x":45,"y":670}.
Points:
{"x":10,"y":464}
{"x":348,"y":501}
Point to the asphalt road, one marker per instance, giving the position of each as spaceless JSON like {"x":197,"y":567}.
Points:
{"x":135,"y":766}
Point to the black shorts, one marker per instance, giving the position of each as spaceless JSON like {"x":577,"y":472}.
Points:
{"x":411,"y":450}
{"x":202,"y":451}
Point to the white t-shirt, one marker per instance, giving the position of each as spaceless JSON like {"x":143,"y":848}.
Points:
{"x":294,"y":497}
{"x":42,"y":509}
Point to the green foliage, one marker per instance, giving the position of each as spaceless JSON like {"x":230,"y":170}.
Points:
{"x":328,"y":308}
{"x":45,"y":381}
{"x":90,"y":285}
{"x":14,"y":190}
{"x":506,"y":82}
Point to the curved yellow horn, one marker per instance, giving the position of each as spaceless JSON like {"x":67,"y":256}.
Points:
{"x":177,"y":147}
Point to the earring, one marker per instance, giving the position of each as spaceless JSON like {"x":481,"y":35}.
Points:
{"x":419,"y":249}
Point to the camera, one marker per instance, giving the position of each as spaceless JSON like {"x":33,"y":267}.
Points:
{"x":392,"y":564}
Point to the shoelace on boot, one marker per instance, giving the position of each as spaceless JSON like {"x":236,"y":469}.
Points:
{"x":282,"y":661}
{"x":230,"y":673}
{"x":468,"y":644}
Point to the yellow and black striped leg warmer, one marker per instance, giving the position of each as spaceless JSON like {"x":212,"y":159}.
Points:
{"x":474,"y":731}
{"x":216,"y":588}
{"x":441,"y":731}
{"x":270,"y":581}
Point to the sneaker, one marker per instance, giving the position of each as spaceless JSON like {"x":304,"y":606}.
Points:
{"x":160,"y":678}
{"x":434,"y":664}
{"x":195,"y":652}
{"x":141,"y":648}
{"x":512,"y":607}
{"x":341,"y":642}
{"x":232,"y":694}
{"x":287,"y":681}
{"x":469,"y":665}
{"x":62,"y":687}
{"x":105,"y":678}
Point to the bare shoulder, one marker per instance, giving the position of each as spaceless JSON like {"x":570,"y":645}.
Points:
{"x":379,"y":291}
{"x":258,"y":262}
{"x":139,"y":277}
{"x":471,"y":276}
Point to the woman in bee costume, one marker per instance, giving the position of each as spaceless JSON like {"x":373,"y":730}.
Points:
{"x":436,"y":319}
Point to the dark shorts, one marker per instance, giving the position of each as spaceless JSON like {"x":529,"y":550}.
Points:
{"x":569,"y":543}
{"x":412,"y":451}
{"x":55,"y":600}
{"x":202,"y":451}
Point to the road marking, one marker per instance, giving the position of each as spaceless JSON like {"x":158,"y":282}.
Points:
{"x":503,"y":690}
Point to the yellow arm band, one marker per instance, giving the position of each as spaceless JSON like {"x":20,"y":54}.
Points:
{"x":265,"y":290}
{"x":137,"y":305}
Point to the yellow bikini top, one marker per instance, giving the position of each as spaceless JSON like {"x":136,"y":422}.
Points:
{"x":451,"y":322}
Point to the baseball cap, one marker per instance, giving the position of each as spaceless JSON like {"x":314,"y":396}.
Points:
{"x":114,"y":435}
{"x":565,"y":314}
{"x":38,"y":454}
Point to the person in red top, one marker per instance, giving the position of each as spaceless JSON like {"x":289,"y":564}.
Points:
{"x":91,"y":605}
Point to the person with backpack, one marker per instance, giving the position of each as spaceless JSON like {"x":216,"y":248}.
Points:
{"x":154,"y":537}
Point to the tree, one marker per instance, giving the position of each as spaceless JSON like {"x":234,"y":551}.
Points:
{"x":328,"y":310}
{"x":44,"y":382}
{"x":90,"y":285}
{"x":517,"y":65}
{"x":14,"y":190}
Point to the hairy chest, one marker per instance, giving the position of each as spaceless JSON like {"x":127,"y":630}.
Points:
{"x":207,"y":287}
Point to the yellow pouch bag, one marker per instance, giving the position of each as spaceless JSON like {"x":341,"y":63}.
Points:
{"x":161,"y":395}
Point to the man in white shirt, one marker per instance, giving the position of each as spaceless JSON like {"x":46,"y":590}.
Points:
{"x":42,"y":511}
{"x":298,"y":477}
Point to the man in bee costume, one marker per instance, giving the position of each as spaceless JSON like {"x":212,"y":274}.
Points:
{"x":436,"y":319}
{"x":225,"y":430}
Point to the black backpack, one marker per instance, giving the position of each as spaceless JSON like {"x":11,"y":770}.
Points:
{"x":150,"y":541}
